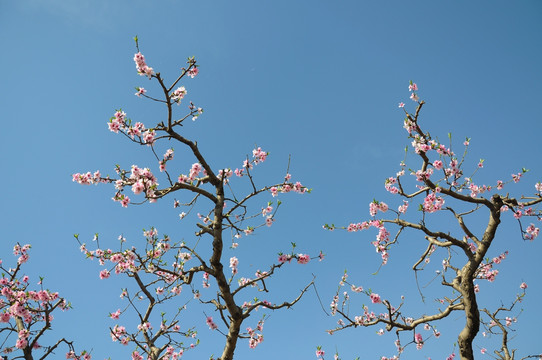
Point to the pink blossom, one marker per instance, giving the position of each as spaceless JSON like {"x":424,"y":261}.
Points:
{"x":193,"y":72}
{"x":22,"y":259}
{"x":145,"y":326}
{"x":104,"y":274}
{"x":320,"y":352}
{"x":148,"y":137}
{"x":508,"y":321}
{"x":284,"y":258}
{"x":303,"y":258}
{"x":178,"y":94}
{"x":373,"y":208}
{"x":114,"y":126}
{"x":432,"y":203}
{"x":211,"y":323}
{"x":375,"y":298}
{"x":483,"y":350}
{"x":141,"y":66}
{"x":259,"y":155}
{"x":115,"y":315}
{"x":138,"y":187}
{"x":403,"y":208}
{"x":401,"y":104}
{"x":136,"y":130}
{"x":419,"y":340}
{"x":357,"y":289}
{"x":5,"y":317}
{"x":531,"y":232}
{"x":267,"y":210}
{"x":234,"y":262}
{"x":140,"y":91}
{"x":523,"y":286}
{"x":195,"y":170}
{"x":125,"y":201}
{"x":21,"y":343}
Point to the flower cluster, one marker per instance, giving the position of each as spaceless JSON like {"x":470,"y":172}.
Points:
{"x":22,"y":251}
{"x":320,"y":353}
{"x":366,"y":318}
{"x":193,"y":72}
{"x":432,"y":202}
{"x":178,"y":94}
{"x":418,"y":339}
{"x":486,"y":271}
{"x":234,"y":263}
{"x":194,"y":172}
{"x":26,"y":308}
{"x":167,"y":157}
{"x":140,"y":180}
{"x":211,"y":323}
{"x":286,"y":188}
{"x":88,"y":178}
{"x":531,"y":232}
{"x":140,"y":91}
{"x":258,"y":156}
{"x":119,"y":122}
{"x":375,"y":206}
{"x":141,"y":66}
{"x":255,"y":337}
{"x":303,"y":258}
{"x":389,"y":185}
{"x":413,"y":88}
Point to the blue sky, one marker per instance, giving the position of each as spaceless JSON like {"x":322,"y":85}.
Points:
{"x":319,"y":80}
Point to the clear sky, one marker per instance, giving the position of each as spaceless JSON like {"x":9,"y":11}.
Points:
{"x":319,"y":80}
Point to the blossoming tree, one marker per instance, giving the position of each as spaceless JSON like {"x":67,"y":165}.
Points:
{"x":450,"y":203}
{"x":164,"y":268}
{"x":26,"y":315}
